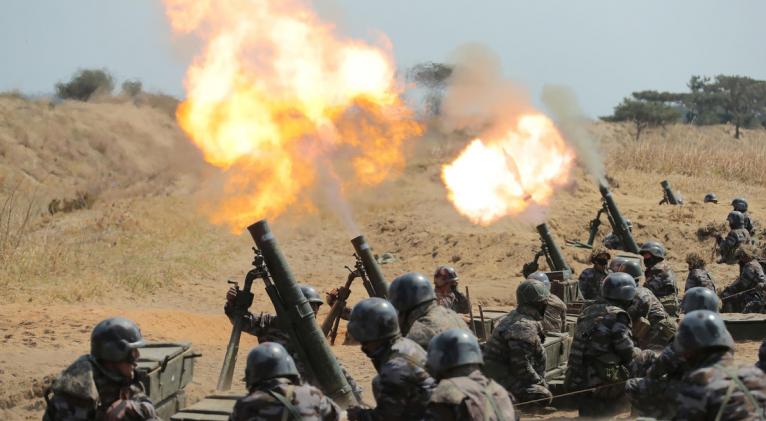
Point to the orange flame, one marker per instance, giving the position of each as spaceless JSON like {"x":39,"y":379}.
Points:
{"x":501,"y":177}
{"x":277,"y":95}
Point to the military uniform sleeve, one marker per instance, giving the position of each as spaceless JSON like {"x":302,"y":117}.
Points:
{"x":399,"y":389}
{"x":62,"y":408}
{"x":462,"y":305}
{"x":693,"y":400}
{"x":622,"y":339}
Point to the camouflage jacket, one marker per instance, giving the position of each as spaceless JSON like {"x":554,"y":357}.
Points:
{"x":555,"y":318}
{"x":514,"y":355}
{"x":669,"y":364}
{"x":602,"y":347}
{"x":750,"y":276}
{"x":729,"y":245}
{"x":454,"y":301}
{"x":85,"y":391}
{"x":646,"y":305}
{"x":652,"y":326}
{"x":470,"y":397}
{"x":749,"y":224}
{"x":707,"y":392}
{"x":428,"y":320}
{"x":402,"y":387}
{"x":699,"y":278}
{"x":661,"y":280}
{"x":590,"y":283}
{"x":263,"y":403}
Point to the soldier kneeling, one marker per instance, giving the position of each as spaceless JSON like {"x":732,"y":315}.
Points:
{"x":103,"y":384}
{"x":275,"y":390}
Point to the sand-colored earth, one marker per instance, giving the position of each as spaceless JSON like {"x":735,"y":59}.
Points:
{"x":144,"y":251}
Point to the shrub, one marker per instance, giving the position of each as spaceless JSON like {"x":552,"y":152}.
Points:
{"x":132,"y":88}
{"x":85,"y":83}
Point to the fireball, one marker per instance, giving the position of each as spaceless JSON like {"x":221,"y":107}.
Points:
{"x":276,"y":96}
{"x":499,"y":177}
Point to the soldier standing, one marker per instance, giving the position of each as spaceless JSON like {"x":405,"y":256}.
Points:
{"x":659,"y":277}
{"x":591,"y":278}
{"x":555,"y":318}
{"x":103,"y":384}
{"x":275,"y":392}
{"x":447,"y":294}
{"x":463,"y":393}
{"x":737,"y":236}
{"x":746,"y":293}
{"x":514,"y":354}
{"x":698,"y":276}
{"x":739,"y":204}
{"x":653,"y":328}
{"x":402,"y":387}
{"x":266,"y":327}
{"x":420,"y":317}
{"x":714,"y":388}
{"x":602,"y":349}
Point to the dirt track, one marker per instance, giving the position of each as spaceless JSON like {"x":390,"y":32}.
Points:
{"x":164,"y":239}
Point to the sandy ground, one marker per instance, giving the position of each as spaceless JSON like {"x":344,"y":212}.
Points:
{"x":155,"y":230}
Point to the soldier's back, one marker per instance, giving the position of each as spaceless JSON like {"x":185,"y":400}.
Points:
{"x":699,"y":278}
{"x":402,"y":387}
{"x":278,"y":400}
{"x":468,"y":398}
{"x":590,"y":283}
{"x":435,"y":320}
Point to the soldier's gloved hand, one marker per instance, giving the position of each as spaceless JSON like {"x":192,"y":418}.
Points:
{"x":231,"y":295}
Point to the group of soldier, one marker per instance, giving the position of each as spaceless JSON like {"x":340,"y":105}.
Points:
{"x":628,"y":350}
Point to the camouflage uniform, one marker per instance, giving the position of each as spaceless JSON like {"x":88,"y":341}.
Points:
{"x":602,"y":351}
{"x":590,"y":283}
{"x":262,"y":405}
{"x":761,"y":364}
{"x":428,"y":320}
{"x":555,"y":318}
{"x":750,"y":276}
{"x":454,"y":301}
{"x":708,"y":392}
{"x":402,"y":387}
{"x":86,"y":391}
{"x":699,"y":278}
{"x":469,"y":397}
{"x":728,"y":246}
{"x":662,"y":282}
{"x":654,"y":395}
{"x":749,"y":224}
{"x":652,"y":326}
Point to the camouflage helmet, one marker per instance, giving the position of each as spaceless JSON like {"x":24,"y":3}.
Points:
{"x":616,"y":263}
{"x":542,"y":277}
{"x":702,"y":329}
{"x":700,"y":298}
{"x":632,"y":268}
{"x":695,"y":261}
{"x":410,"y":290}
{"x":736,"y":219}
{"x":445,"y":275}
{"x":452,"y":348}
{"x":531,"y":291}
{"x":114,"y":340}
{"x":618,"y":287}
{"x":311,"y":294}
{"x":598,"y":252}
{"x":710,"y":198}
{"x":266,"y":361}
{"x":739,"y":204}
{"x":373,"y":319}
{"x":654,"y":248}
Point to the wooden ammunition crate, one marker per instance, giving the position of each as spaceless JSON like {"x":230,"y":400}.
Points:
{"x":165,"y":368}
{"x":212,"y":408}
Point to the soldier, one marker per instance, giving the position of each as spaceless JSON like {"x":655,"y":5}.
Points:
{"x":746,"y":293}
{"x":659,"y":277}
{"x":714,"y":388}
{"x":602,"y":349}
{"x":463,"y":393}
{"x":654,"y":395}
{"x":591,"y":278}
{"x":103,"y":385}
{"x":275,"y":391}
{"x":710,"y":198}
{"x":402,"y":387}
{"x":447,"y":294}
{"x":737,"y":235}
{"x":514,"y":354}
{"x":420,"y":318}
{"x":739,"y":204}
{"x":613,"y":242}
{"x":555,"y":318}
{"x":266,"y":328}
{"x":616,"y":263}
{"x":698,"y":276}
{"x":761,"y":364}
{"x":653,"y":328}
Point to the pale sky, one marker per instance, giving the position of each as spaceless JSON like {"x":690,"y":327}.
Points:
{"x":603,"y":49}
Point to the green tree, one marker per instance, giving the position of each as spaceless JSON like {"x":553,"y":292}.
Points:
{"x":643,"y":114}
{"x":132,"y":88}
{"x":742,"y":99}
{"x":85,"y":83}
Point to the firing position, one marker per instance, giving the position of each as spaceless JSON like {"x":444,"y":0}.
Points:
{"x":739,"y":204}
{"x":103,"y":385}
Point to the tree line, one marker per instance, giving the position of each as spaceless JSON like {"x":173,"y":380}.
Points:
{"x":736,"y":100}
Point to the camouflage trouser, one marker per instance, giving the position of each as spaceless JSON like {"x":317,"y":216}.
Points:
{"x":642,"y":362}
{"x":653,"y":397}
